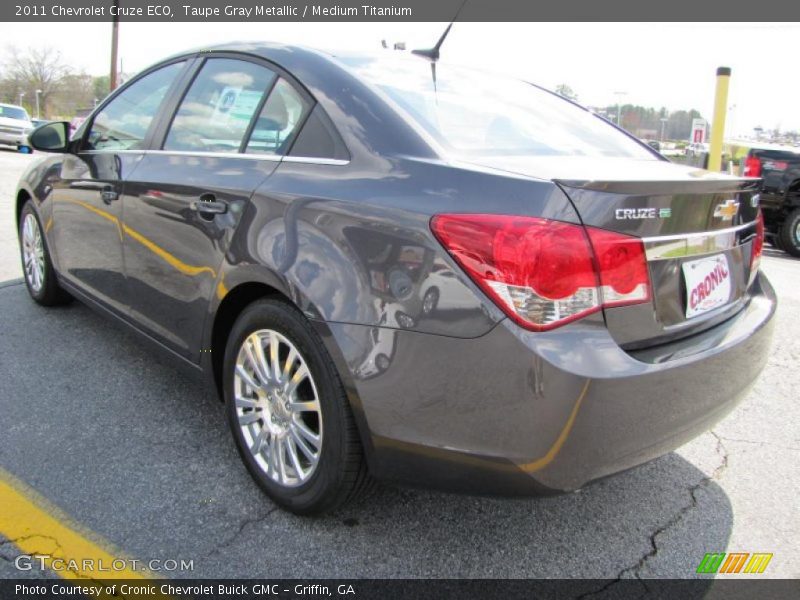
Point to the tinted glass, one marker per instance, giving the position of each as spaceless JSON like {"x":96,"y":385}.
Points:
{"x":318,"y":139}
{"x":279,"y":121}
{"x":217,"y":109}
{"x":473,"y":113}
{"x":123,"y":122}
{"x":13,"y":112}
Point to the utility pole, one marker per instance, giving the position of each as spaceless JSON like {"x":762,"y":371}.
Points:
{"x":112,"y":78}
{"x":37,"y":103}
{"x":619,"y":107}
{"x":663,"y":122}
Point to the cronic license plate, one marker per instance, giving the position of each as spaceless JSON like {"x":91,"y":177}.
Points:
{"x":708,"y":284}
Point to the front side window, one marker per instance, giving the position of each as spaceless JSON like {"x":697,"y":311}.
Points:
{"x":279,"y":121}
{"x":123,"y":122}
{"x":217,"y":110}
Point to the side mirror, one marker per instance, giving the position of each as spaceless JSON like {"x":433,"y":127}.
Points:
{"x":51,"y":137}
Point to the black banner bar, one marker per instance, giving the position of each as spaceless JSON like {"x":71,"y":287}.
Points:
{"x":398,"y":10}
{"x":400,"y":589}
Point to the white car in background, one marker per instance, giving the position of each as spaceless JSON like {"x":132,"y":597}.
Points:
{"x":15,"y":125}
{"x":696,"y":149}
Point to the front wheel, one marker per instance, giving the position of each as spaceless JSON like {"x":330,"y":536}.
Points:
{"x":789,"y":234}
{"x":288,"y":411}
{"x":40,"y":277}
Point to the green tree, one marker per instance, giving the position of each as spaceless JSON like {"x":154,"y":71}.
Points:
{"x":562,"y":89}
{"x":101,"y":87}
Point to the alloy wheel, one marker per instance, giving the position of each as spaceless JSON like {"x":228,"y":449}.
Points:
{"x":33,"y":252}
{"x":277,"y":407}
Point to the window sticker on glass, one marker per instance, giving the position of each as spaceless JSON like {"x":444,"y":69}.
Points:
{"x":236,"y":105}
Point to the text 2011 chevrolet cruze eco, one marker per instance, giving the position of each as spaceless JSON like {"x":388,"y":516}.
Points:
{"x":464,"y":282}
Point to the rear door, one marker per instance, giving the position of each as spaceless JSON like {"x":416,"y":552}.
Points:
{"x":186,"y":197}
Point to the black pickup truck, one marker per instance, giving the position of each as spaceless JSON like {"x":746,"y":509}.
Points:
{"x":779,"y":169}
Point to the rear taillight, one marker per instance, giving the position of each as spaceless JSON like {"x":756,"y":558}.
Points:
{"x":752,"y":167}
{"x":624,"y":278}
{"x":545,"y":273}
{"x":758,"y":247}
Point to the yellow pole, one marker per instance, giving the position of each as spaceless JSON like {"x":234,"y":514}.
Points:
{"x":718,"y":126}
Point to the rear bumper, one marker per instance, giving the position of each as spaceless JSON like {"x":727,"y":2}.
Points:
{"x":516,"y":412}
{"x":13,"y":139}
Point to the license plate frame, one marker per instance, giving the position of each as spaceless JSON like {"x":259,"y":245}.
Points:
{"x":708,"y":284}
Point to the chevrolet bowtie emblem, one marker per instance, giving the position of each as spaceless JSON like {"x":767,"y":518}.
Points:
{"x":727,"y":210}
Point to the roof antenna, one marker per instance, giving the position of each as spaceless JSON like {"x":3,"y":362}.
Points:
{"x":432,"y":54}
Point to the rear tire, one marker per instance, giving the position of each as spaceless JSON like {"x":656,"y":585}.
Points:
{"x":789,"y":234}
{"x":271,"y":418}
{"x":40,"y":276}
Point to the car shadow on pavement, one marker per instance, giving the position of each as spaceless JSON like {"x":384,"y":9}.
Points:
{"x":141,"y":456}
{"x":773,"y":252}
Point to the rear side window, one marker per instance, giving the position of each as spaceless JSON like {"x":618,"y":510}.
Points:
{"x":319,"y":139}
{"x":215,"y":113}
{"x":279,"y":121}
{"x":123,"y":122}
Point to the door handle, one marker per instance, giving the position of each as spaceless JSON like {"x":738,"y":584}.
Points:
{"x":88,"y":185}
{"x":208,"y":206}
{"x":108,"y":194}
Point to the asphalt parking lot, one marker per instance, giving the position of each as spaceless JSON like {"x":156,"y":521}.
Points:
{"x":141,"y":457}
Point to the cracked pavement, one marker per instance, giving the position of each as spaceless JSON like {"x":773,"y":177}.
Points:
{"x":132,"y":450}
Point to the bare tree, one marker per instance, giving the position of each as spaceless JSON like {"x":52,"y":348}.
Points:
{"x":34,"y":69}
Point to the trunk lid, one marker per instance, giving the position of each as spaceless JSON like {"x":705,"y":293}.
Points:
{"x":697,"y":228}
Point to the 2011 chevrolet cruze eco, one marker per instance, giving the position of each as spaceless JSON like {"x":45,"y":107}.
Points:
{"x":460,"y":281}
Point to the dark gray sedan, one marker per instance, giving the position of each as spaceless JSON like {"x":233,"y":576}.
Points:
{"x":389,"y":270}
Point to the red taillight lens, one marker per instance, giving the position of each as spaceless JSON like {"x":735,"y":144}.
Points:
{"x":758,"y":247}
{"x":541,"y":273}
{"x":752,"y":167}
{"x":624,"y":278}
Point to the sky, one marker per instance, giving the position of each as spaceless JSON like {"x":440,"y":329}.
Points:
{"x":654,"y":64}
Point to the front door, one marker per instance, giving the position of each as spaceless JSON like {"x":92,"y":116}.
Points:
{"x":87,"y":220}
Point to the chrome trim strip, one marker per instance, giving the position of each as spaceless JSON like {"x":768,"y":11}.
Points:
{"x":269,"y":157}
{"x":692,"y":244}
{"x":200,"y":154}
{"x":337,"y":162}
{"x":109,"y":151}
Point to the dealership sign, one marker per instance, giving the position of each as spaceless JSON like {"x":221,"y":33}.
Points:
{"x":699,"y":130}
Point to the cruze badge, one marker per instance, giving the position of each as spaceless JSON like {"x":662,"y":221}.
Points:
{"x":727,"y":210}
{"x":643,"y":213}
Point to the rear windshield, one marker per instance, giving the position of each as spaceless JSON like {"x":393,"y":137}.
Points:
{"x":474,"y":113}
{"x":12,"y":112}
